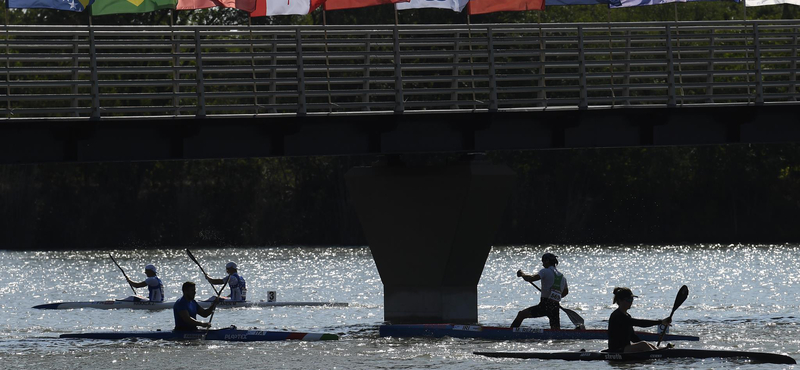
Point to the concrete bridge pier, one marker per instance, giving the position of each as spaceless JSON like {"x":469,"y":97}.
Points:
{"x":430,"y":230}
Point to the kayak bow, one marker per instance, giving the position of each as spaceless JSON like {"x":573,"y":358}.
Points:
{"x":643,"y":356}
{"x":147,"y":305}
{"x":227,"y":334}
{"x":504,"y":333}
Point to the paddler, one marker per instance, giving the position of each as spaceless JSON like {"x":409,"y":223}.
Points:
{"x":621,"y":336}
{"x":237,"y":283}
{"x":153,"y":284}
{"x":554,"y":287}
{"x":186,"y":310}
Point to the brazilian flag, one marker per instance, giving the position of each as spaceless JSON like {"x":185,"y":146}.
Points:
{"x":103,"y":7}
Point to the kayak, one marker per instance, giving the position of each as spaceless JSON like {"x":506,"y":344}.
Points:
{"x":228,"y":334}
{"x":147,"y":305}
{"x":491,"y":332}
{"x":649,"y":355}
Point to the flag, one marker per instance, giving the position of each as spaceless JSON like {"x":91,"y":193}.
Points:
{"x":103,"y":7}
{"x":582,"y":2}
{"x":285,"y":7}
{"x":631,"y":3}
{"x":491,"y":6}
{"x":454,"y":5}
{"x":770,"y":2}
{"x":71,"y":5}
{"x":352,"y":4}
{"x":246,"y":5}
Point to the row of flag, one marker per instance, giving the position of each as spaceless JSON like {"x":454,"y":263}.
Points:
{"x":260,"y":8}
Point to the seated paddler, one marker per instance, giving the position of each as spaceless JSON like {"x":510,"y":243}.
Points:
{"x":621,"y":336}
{"x":186,"y":310}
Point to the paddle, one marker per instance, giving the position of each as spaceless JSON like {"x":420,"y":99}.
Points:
{"x":683,"y":293}
{"x":123,"y":273}
{"x":216,"y":300}
{"x":576,"y":319}
{"x":204,"y":272}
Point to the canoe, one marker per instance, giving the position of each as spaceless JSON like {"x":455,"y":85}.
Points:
{"x":491,"y":332}
{"x":649,"y":355}
{"x":228,"y":334}
{"x":147,"y":305}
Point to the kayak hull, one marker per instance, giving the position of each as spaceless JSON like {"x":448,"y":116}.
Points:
{"x":643,"y":356}
{"x":146,"y":305}
{"x":228,"y":334}
{"x":501,"y":333}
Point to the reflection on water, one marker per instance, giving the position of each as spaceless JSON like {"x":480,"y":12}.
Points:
{"x":741,"y":297}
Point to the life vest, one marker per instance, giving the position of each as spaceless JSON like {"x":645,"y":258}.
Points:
{"x":240,"y":289}
{"x":156,"y":291}
{"x":555,"y":289}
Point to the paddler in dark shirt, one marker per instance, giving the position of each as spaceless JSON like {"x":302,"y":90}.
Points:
{"x":621,"y":337}
{"x":186,"y":309}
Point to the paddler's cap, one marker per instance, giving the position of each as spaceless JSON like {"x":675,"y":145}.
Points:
{"x":550,"y":257}
{"x":151,"y":268}
{"x":230,"y":265}
{"x":623,"y":293}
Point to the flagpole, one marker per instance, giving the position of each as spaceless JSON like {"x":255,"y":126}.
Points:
{"x":253,"y":64}
{"x":680,"y":68}
{"x":542,"y":60}
{"x":175,"y":73}
{"x":746,"y":53}
{"x":327,"y":58}
{"x":471,"y":61}
{"x":8,"y":61}
{"x":611,"y":59}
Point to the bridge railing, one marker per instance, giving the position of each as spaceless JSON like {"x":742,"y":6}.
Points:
{"x":179,"y":71}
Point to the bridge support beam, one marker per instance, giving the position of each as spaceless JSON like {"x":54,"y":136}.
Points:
{"x":430,"y":231}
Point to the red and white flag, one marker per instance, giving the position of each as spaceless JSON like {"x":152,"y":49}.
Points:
{"x":285,"y":7}
{"x":491,"y":6}
{"x":246,"y":5}
{"x":352,"y":4}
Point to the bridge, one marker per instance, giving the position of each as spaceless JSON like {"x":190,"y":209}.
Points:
{"x":123,"y":93}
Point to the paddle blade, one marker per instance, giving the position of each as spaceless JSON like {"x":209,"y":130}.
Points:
{"x":576,"y":319}
{"x":683,"y":293}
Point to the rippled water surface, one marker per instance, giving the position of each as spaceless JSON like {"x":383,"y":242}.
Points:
{"x":741,"y":297}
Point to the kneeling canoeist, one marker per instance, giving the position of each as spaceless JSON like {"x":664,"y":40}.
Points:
{"x":621,"y":336}
{"x":554,"y":286}
{"x":153,"y":284}
{"x":237,"y":283}
{"x":186,"y":309}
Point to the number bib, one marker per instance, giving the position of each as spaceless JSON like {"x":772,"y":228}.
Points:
{"x":555,"y":295}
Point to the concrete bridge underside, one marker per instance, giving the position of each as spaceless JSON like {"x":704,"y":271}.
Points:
{"x":34,"y":141}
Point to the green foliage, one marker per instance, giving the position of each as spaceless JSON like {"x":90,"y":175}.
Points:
{"x":727,"y":193}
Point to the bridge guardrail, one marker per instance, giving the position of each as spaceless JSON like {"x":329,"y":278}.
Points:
{"x":183,"y":71}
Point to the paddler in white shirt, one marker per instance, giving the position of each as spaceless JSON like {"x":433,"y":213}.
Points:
{"x":554,"y":287}
{"x":153,"y":284}
{"x":236,"y":283}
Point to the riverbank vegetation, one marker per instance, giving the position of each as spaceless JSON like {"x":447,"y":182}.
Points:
{"x":716,"y":194}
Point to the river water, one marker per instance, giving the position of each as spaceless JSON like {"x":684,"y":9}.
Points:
{"x":742,"y":297}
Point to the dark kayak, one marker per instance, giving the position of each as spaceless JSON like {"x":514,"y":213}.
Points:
{"x":505,"y":333}
{"x":642,"y":356}
{"x":227,"y":334}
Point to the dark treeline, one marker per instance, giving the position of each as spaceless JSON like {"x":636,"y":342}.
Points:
{"x":718,"y":194}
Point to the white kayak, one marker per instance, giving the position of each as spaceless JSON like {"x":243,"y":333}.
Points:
{"x":144,"y":304}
